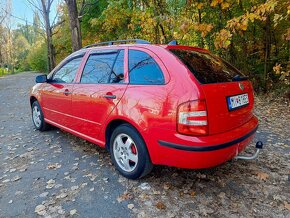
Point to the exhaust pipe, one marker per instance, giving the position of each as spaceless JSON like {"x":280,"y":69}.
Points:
{"x":259,"y":146}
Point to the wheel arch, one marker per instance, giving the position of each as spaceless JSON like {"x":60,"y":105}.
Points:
{"x":32,"y":99}
{"x":113,"y":124}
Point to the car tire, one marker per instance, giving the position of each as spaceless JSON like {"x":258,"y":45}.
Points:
{"x":38,"y":118}
{"x":129,"y":153}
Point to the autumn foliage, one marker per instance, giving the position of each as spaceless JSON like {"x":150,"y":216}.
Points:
{"x":253,"y":35}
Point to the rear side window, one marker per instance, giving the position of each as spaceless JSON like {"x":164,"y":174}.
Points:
{"x":143,"y":69}
{"x":99,"y":68}
{"x":67,"y":72}
{"x":208,"y":68}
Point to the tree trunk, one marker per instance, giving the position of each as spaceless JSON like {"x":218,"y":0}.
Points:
{"x":48,"y":30}
{"x":267,"y":47}
{"x":199,"y":21}
{"x":74,"y":22}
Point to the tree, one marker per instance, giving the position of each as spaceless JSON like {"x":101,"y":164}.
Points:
{"x":75,"y":28}
{"x":44,"y":7}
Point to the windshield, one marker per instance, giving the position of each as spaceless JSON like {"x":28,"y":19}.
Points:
{"x":208,"y":68}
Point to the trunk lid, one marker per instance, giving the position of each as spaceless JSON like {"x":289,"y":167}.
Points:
{"x":221,"y":117}
{"x":228,"y":94}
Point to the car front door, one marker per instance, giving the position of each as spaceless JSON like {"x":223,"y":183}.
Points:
{"x":56,"y":94}
{"x":100,"y":88}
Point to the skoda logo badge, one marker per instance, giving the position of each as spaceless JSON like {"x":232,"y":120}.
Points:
{"x":241,"y":86}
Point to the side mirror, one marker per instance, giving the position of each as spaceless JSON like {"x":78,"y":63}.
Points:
{"x":41,"y":79}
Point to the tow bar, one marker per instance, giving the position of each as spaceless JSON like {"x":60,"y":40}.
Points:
{"x":259,"y":146}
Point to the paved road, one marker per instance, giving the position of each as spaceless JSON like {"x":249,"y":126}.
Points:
{"x":58,"y":174}
{"x":81,"y":176}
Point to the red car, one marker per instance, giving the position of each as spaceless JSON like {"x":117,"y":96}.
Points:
{"x":149,"y":104}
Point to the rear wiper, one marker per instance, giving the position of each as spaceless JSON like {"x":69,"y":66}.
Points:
{"x":239,"y":78}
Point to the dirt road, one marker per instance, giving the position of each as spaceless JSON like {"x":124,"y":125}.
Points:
{"x":57,"y":174}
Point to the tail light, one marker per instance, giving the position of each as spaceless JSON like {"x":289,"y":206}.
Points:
{"x":192,"y":118}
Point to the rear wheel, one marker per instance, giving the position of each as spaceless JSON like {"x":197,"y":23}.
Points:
{"x":38,"y":118}
{"x":129,"y":152}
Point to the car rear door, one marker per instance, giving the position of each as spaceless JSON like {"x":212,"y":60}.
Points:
{"x":56,"y":93}
{"x":100,"y":87}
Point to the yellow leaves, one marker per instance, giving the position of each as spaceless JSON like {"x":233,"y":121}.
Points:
{"x":288,"y":10}
{"x":244,"y":25}
{"x":216,"y":2}
{"x":284,"y":75}
{"x":203,"y":28}
{"x":199,"y":5}
{"x":224,"y":5}
{"x":277,"y":68}
{"x":266,"y":8}
{"x":252,"y":16}
{"x":223,"y":39}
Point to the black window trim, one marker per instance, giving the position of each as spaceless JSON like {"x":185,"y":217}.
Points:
{"x":101,"y":52}
{"x":137,"y":49}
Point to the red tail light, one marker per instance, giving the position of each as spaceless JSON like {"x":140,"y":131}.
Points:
{"x":192,"y":118}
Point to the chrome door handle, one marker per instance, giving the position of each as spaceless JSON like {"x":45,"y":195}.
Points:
{"x":110,"y":96}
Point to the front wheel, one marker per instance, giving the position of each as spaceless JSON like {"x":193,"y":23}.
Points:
{"x":38,"y":118}
{"x":129,"y":152}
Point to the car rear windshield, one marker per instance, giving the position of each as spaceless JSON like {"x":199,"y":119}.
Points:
{"x":208,"y":68}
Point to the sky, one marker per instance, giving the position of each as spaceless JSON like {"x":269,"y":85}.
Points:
{"x":24,"y":11}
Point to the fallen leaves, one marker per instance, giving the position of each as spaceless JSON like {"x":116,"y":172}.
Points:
{"x":167,"y":186}
{"x":73,"y":212}
{"x":124,"y":197}
{"x":262,"y":176}
{"x":40,"y":209}
{"x":286,"y":205}
{"x":50,"y":184}
{"x":144,"y":186}
{"x":16,"y":178}
{"x":130,"y":206}
{"x":52,"y":166}
{"x":192,"y":194}
{"x":160,"y":206}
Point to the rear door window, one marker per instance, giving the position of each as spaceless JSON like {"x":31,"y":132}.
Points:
{"x":143,"y":69}
{"x":104,"y":67}
{"x":208,"y":68}
{"x":98,"y":68}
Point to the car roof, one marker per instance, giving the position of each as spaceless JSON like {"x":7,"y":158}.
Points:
{"x":153,"y":46}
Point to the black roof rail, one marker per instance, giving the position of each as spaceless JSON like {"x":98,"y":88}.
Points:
{"x":173,"y":42}
{"x":137,"y":41}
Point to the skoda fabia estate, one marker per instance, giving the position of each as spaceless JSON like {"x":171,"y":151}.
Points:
{"x":149,"y":104}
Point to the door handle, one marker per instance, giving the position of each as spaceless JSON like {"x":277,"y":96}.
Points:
{"x":67,"y":92}
{"x":110,"y":96}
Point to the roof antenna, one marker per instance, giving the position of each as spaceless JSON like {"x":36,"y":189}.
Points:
{"x":173,"y":42}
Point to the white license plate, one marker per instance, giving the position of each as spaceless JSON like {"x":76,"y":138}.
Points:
{"x":237,"y":101}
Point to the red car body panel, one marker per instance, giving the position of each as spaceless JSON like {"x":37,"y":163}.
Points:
{"x":152,"y":110}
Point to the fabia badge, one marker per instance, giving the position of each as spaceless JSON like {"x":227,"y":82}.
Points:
{"x":241,"y":86}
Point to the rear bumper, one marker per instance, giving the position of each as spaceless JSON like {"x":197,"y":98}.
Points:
{"x":177,"y":150}
{"x":210,"y":147}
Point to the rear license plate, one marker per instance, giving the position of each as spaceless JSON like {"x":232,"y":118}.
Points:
{"x":237,"y":101}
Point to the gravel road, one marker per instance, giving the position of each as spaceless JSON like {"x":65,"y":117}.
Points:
{"x":55,"y":174}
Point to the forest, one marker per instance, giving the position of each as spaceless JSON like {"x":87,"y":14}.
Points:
{"x":253,"y":35}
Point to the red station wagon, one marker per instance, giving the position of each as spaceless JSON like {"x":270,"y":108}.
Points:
{"x":149,"y":105}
